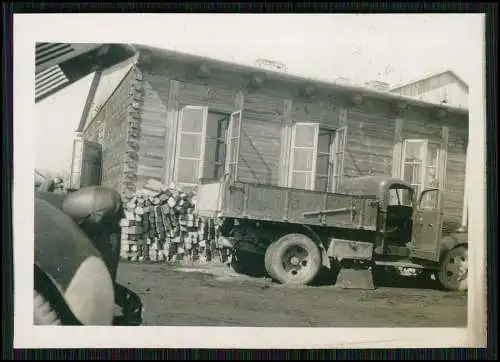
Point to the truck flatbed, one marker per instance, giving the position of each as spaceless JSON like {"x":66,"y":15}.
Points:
{"x":260,"y":202}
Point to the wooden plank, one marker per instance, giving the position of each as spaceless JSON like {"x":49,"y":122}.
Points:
{"x":261,"y":138}
{"x":397,"y":153}
{"x":171,"y":126}
{"x":443,"y":157}
{"x":454,"y":182}
{"x":259,"y":102}
{"x":239,"y":100}
{"x":286,"y":136}
{"x":369,"y":143}
{"x":344,"y":116}
{"x":211,"y":96}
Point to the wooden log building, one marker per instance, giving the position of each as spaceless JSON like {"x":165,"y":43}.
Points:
{"x":187,"y":119}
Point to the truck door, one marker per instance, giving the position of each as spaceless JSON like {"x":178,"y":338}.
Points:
{"x":427,"y":222}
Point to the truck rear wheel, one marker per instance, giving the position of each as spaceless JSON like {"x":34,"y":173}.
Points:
{"x":293,"y":259}
{"x":454,"y":269}
{"x":268,"y":260}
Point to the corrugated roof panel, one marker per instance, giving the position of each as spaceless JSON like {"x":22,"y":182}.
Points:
{"x":49,"y":51}
{"x":49,"y":80}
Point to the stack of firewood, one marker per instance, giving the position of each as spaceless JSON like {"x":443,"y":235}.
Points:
{"x":160,"y":224}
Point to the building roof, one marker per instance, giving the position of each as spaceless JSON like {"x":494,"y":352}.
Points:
{"x":288,"y":77}
{"x":57,"y":65}
{"x":429,"y":76}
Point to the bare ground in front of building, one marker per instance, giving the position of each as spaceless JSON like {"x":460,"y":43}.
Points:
{"x":213,"y":295}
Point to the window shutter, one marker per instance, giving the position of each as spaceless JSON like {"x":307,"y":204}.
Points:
{"x":413,"y":167}
{"x":443,"y":157}
{"x":210,"y":149}
{"x":397,"y":152}
{"x":303,"y":156}
{"x":233,"y":144}
{"x":86,"y":164}
{"x":190,"y":144}
{"x":338,"y":158}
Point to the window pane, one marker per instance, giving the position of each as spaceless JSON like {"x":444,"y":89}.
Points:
{"x":324,"y":142}
{"x":192,"y":120}
{"x":322,"y":164}
{"x":430,"y":200}
{"x":190,"y":145}
{"x":302,"y":159}
{"x":401,"y":197}
{"x":321,"y":184}
{"x":431,"y":179}
{"x":301,"y":180}
{"x":187,"y":171}
{"x":432,"y":154}
{"x":414,"y":151}
{"x":412,"y":173}
{"x":304,"y":135}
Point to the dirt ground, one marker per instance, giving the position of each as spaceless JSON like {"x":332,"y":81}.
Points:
{"x":181,"y":295}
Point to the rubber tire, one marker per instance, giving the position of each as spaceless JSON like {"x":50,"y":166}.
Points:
{"x":268,"y":260}
{"x":276,"y":269}
{"x":443,"y":280}
{"x":43,"y":313}
{"x":239,"y":266}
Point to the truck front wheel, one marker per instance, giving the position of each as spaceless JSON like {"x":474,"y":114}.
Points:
{"x":454,"y":269}
{"x":293,"y":259}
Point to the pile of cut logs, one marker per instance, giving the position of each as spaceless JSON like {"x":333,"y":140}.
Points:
{"x":160,"y":224}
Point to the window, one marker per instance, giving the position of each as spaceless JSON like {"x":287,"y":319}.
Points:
{"x":215,"y":146}
{"x":420,"y":165}
{"x":201,"y":145}
{"x":233,"y":140}
{"x":190,"y":144}
{"x":400,"y":197}
{"x":430,"y":200}
{"x":338,"y":157}
{"x":303,"y":155}
{"x":316,"y":159}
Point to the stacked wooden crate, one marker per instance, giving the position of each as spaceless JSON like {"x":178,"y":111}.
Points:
{"x":160,"y":224}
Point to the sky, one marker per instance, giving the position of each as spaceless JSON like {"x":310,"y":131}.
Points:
{"x":393,"y":48}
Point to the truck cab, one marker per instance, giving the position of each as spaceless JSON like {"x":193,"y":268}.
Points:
{"x":412,"y":229}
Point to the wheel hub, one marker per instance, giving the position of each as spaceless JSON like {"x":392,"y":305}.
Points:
{"x":457,"y":267}
{"x":295,"y":260}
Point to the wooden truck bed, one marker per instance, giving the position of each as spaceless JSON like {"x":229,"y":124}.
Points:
{"x":280,"y":204}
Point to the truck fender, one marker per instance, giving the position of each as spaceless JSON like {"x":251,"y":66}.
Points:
{"x":67,"y":257}
{"x":308,"y":231}
{"x":451,"y":241}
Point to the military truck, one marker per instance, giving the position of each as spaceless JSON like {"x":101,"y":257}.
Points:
{"x":375,"y":221}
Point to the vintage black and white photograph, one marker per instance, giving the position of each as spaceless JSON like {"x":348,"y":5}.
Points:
{"x":272,"y":172}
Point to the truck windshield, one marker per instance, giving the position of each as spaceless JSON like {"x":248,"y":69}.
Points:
{"x":400,"y":197}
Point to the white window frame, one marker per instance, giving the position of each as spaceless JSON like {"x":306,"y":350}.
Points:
{"x":335,"y":161}
{"x":233,"y":144}
{"x":201,"y":159}
{"x":312,"y":172}
{"x":338,"y":156}
{"x":331,"y":161}
{"x":425,"y":164}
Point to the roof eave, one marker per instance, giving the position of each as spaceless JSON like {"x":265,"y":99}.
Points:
{"x":166,"y":53}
